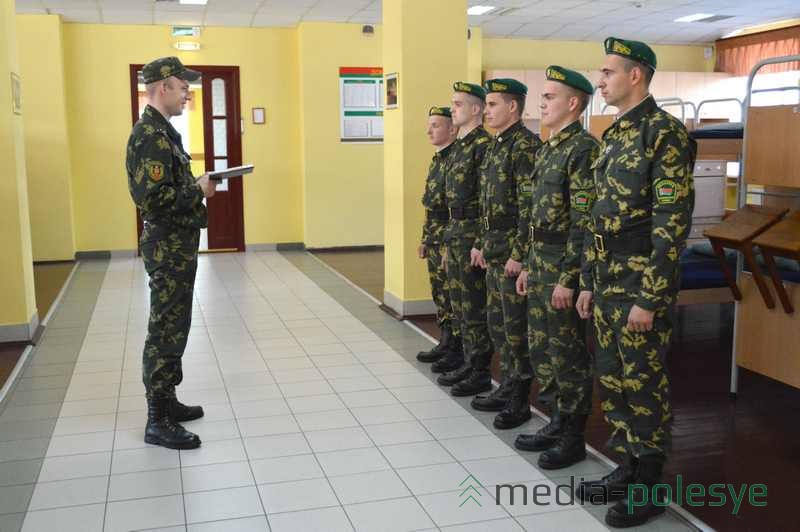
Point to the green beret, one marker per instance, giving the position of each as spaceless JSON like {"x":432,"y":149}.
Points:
{"x":470,"y":88}
{"x":576,"y":80}
{"x":439,"y":111}
{"x":506,"y":85}
{"x":166,"y":67}
{"x":635,"y":50}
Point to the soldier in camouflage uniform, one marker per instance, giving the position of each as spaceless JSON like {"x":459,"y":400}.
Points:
{"x":170,"y":202}
{"x":467,"y":282}
{"x":505,"y":193}
{"x":442,"y":134}
{"x":640,"y":219}
{"x":563,"y":186}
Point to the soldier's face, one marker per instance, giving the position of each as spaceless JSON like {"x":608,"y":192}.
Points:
{"x":557,"y":104}
{"x":440,"y":130}
{"x":177,"y":94}
{"x":462,"y":108}
{"x":499,"y":112}
{"x":615,"y":84}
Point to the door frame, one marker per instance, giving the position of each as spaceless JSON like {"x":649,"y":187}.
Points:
{"x":234,"y":141}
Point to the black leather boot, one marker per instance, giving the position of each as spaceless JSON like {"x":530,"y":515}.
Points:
{"x":648,"y":474}
{"x":163,"y":430}
{"x":479,"y":380}
{"x":518,"y":409}
{"x":496,"y":400}
{"x":452,"y":359}
{"x":570,"y":447}
{"x":456,"y":376}
{"x":440,"y":349}
{"x":611,"y":487}
{"x":181,"y":412}
{"x":544,"y":438}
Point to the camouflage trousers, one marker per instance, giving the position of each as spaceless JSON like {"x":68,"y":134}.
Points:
{"x":505,"y":314}
{"x":559,"y":358}
{"x":468,"y":301}
{"x":170,"y":258}
{"x":632,"y":371}
{"x":440,"y":287}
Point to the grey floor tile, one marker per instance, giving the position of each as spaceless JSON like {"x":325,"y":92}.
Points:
{"x":577,"y":520}
{"x":368,"y":398}
{"x":298,"y":495}
{"x":265,"y":426}
{"x":372,"y":486}
{"x":144,"y":513}
{"x":320,"y":520}
{"x":495,"y":525}
{"x":376,"y":415}
{"x":414,"y":394}
{"x":217,"y":505}
{"x":477,"y":447}
{"x":285,"y":469}
{"x":12,"y":522}
{"x":144,"y":484}
{"x":299,"y":389}
{"x":22,"y":472}
{"x":352,"y":461}
{"x":416,"y":454}
{"x":334,"y":419}
{"x":266,"y":407}
{"x":26,"y":430}
{"x":338,"y":439}
{"x":217,"y":476}
{"x":344,"y":385}
{"x":90,"y":407}
{"x":77,"y":492}
{"x":460,"y":507}
{"x":246,"y":524}
{"x":85,"y":424}
{"x":315,"y":403}
{"x":455,"y":427}
{"x":75,"y":466}
{"x":83,"y":518}
{"x":95,"y":442}
{"x":214,"y":452}
{"x":14,"y":499}
{"x":276,"y":446}
{"x":436,"y":409}
{"x":391,"y":515}
{"x":506,"y":469}
{"x":434,"y":478}
{"x":151,"y":458}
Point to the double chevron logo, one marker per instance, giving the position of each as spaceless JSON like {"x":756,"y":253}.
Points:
{"x":470,"y":491}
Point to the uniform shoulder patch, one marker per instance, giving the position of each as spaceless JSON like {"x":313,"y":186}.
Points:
{"x":666,"y":191}
{"x":580,"y":201}
{"x":154,"y":170}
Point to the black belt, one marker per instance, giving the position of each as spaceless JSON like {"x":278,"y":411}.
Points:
{"x":464,"y":213}
{"x":549,"y":237}
{"x":441,"y":215}
{"x":500,"y":222}
{"x":627,"y":242}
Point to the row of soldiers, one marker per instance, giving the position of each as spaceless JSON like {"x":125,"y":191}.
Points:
{"x":526,"y":239}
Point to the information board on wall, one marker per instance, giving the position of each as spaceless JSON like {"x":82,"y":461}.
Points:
{"x":361,"y":104}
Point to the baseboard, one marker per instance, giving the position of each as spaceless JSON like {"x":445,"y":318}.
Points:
{"x":105,"y":254}
{"x":291,"y":246}
{"x":20,"y":332}
{"x":282,"y":246}
{"x":346,"y":248}
{"x":403,"y":309}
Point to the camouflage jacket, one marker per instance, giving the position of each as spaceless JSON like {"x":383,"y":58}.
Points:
{"x":506,"y":190}
{"x":563,"y":190}
{"x":159,"y":178}
{"x":644,"y":185}
{"x":462,"y":182}
{"x":434,"y":197}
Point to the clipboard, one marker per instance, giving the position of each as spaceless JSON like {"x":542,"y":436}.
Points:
{"x":235,"y":171}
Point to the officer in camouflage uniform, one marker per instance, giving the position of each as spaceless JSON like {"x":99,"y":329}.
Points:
{"x":170,"y":202}
{"x":563,"y":186}
{"x":467,"y":281}
{"x":505,"y":194}
{"x":640,"y":219}
{"x":442,"y":134}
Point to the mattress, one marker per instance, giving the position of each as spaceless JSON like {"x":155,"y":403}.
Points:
{"x":727,"y":130}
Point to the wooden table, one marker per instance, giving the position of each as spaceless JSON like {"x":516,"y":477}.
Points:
{"x":783,"y":240}
{"x":737,"y":232}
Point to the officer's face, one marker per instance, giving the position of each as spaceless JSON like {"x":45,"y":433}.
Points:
{"x":500,"y":112}
{"x":176,"y":95}
{"x":558,"y":104}
{"x":615,"y":84}
{"x":440,"y":130}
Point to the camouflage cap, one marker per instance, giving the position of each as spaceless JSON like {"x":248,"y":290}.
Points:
{"x":506,"y":85}
{"x":635,"y":50}
{"x":470,"y":88}
{"x":440,"y":111}
{"x":568,"y":77}
{"x":165,"y":67}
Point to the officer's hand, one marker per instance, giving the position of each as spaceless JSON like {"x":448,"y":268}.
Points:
{"x":584,"y":304}
{"x":421,"y":251}
{"x":640,"y":320}
{"x":562,"y":297}
{"x":208,"y":186}
{"x":522,"y":283}
{"x":476,"y":259}
{"x":513,"y":268}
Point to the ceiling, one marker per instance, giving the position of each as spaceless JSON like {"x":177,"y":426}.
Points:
{"x":573,"y":20}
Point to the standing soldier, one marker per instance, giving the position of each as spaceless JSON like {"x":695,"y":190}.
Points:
{"x":562,"y":189}
{"x":640,"y":220}
{"x":442,"y":134}
{"x":467,"y":282}
{"x":171,"y":205}
{"x":505,"y":195}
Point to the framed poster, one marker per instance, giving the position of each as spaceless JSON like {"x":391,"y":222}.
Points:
{"x":259,"y":115}
{"x":16,"y":94}
{"x":361,"y":104}
{"x":392,"y":87}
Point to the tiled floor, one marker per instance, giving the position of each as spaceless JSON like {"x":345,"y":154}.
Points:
{"x":317,"y":418}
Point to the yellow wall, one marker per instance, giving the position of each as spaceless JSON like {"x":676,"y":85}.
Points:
{"x":49,"y":177}
{"x":16,"y":258}
{"x":196,"y":136}
{"x":342,"y":182}
{"x":475,"y":56}
{"x":516,"y":54}
{"x":98,"y":96}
